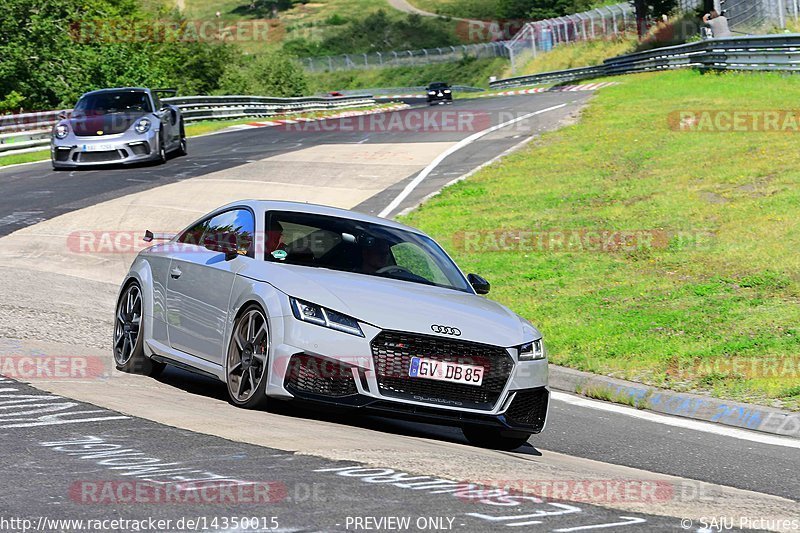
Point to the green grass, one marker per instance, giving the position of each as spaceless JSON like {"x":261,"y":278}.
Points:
{"x":580,"y":54}
{"x":474,"y":9}
{"x":719,"y":285}
{"x":473,"y":72}
{"x":28,"y":157}
{"x":192,"y":130}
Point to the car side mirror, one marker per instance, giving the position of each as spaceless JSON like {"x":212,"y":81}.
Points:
{"x":480,"y":285}
{"x":62,"y":115}
{"x":223,"y":242}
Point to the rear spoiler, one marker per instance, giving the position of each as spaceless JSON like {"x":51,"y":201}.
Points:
{"x":149,"y":236}
{"x":173,"y":92}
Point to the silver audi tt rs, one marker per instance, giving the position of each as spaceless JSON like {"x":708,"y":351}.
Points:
{"x":291,"y":301}
{"x":126,"y":125}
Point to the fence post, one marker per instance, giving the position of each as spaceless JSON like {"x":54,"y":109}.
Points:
{"x":366,"y":61}
{"x":781,"y":14}
{"x":613,"y":19}
{"x":591,"y":21}
{"x":380,"y":58}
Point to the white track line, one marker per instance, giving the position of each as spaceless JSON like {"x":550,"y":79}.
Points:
{"x":458,"y":146}
{"x":685,"y":423}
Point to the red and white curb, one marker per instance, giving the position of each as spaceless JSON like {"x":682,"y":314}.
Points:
{"x":581,"y":87}
{"x":563,"y":88}
{"x":343,"y":114}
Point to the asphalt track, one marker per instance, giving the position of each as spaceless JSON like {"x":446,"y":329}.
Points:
{"x":593,"y":443}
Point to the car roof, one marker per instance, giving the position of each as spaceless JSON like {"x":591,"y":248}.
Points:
{"x":317,"y":209}
{"x":117,"y":89}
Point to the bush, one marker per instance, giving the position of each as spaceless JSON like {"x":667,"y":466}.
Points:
{"x":378,"y":32}
{"x":68,"y":63}
{"x":270,"y":74}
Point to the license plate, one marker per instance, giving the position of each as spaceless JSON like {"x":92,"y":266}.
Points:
{"x":97,"y":147}
{"x":445,"y":371}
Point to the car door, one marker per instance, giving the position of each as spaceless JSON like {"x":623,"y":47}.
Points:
{"x":201,"y":280}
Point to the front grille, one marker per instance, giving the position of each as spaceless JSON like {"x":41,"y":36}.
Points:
{"x":529,"y":408}
{"x":392,"y":353}
{"x":312,"y":375}
{"x":99,"y":157}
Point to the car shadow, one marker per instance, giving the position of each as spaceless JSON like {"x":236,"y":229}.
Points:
{"x":212,"y":388}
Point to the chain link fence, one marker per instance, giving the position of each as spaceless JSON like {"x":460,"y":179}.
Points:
{"x":758,"y":16}
{"x":618,"y":20}
{"x":404,"y":57}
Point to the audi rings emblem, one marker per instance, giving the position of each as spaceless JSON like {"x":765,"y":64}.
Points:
{"x":446,"y":330}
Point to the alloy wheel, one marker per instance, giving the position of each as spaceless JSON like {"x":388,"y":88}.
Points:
{"x":247,"y":356}
{"x":127,"y":324}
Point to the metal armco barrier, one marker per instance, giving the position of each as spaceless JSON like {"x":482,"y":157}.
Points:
{"x":28,"y":131}
{"x":763,"y":53}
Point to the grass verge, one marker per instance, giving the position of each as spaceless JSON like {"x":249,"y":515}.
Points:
{"x":193,"y":130}
{"x":575,"y":55}
{"x":468,"y":71}
{"x":708,"y":296}
{"x":474,"y":9}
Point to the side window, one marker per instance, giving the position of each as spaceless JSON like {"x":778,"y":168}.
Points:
{"x":236,"y":225}
{"x":411,"y":257}
{"x":194,"y":235}
{"x":156,"y":102}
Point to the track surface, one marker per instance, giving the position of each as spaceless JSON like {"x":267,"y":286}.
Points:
{"x":39,"y":477}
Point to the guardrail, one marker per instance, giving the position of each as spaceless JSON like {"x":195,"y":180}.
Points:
{"x":762,"y":52}
{"x":30,"y":131}
{"x":420,"y":89}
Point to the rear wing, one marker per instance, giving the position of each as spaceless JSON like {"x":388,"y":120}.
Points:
{"x":149,"y":236}
{"x":159,"y":92}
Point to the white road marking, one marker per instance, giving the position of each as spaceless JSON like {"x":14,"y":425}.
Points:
{"x":629,"y":520}
{"x":458,"y":146}
{"x":685,"y":423}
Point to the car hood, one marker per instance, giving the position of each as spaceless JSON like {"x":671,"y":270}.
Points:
{"x":398,"y":305}
{"x":109,"y":124}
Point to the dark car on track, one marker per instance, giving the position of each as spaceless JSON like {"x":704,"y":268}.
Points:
{"x":439,"y":92}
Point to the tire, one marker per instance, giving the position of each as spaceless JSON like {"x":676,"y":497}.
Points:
{"x":182,"y":146}
{"x":162,"y":151}
{"x":128,"y":346}
{"x":495,"y":439}
{"x":246,"y":364}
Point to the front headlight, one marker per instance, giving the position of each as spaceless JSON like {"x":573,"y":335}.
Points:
{"x":532,"y":351}
{"x":142,"y":126}
{"x":447,"y":91}
{"x":432,"y":93}
{"x":321,"y":316}
{"x":61,"y":131}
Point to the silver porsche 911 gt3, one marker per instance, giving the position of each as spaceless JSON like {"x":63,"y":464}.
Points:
{"x":283,"y":300}
{"x":126,"y":125}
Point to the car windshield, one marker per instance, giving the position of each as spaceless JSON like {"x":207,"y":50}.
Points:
{"x":113,"y":102}
{"x":346,"y":245}
{"x":438,"y":85}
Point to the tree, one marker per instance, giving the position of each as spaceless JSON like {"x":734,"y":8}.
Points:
{"x":648,"y":9}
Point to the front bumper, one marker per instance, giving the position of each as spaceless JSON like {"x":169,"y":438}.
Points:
{"x":125,"y":148}
{"x":373,"y":379}
{"x":440,"y":98}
